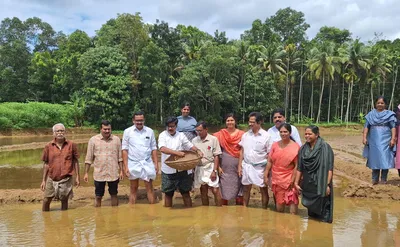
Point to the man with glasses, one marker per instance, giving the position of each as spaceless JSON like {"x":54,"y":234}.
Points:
{"x":139,"y":153}
{"x":172,"y":142}
{"x":60,"y":163}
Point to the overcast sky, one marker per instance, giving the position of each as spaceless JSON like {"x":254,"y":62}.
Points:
{"x":362,"y":17}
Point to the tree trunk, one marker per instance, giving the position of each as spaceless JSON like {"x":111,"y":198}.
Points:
{"x":349,"y":95}
{"x":372,"y":97}
{"x":287,"y":89}
{"x":291,"y":103}
{"x":330,"y":97}
{"x":393,"y":87}
{"x":320,"y":96}
{"x":300,"y":94}
{"x":161,"y":111}
{"x":342,"y":104}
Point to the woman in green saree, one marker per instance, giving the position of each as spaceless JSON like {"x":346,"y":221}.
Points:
{"x":315,"y":166}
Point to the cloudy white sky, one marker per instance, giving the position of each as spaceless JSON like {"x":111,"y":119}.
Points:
{"x":362,"y":17}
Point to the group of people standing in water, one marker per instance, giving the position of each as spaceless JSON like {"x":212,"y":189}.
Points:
{"x":232,"y":161}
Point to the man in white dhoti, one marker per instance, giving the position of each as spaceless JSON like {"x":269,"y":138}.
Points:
{"x":139,"y":153}
{"x":206,"y":173}
{"x":256,"y":144}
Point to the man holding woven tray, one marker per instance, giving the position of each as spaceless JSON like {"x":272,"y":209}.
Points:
{"x":256,"y":144}
{"x":206,"y":173}
{"x":171,"y":142}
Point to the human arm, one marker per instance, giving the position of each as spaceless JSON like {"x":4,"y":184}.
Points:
{"x":294,"y":173}
{"x":125,"y":162}
{"x":75,"y":161}
{"x":76,"y":168}
{"x":155,"y":160}
{"x":87,"y":169}
{"x":88,"y":160}
{"x":297,"y":180}
{"x":267,"y":170}
{"x":215,"y":168}
{"x":365,"y":133}
{"x":240,"y":162}
{"x":393,"y":139}
{"x":45,"y":173}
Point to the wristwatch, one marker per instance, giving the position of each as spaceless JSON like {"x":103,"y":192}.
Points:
{"x":216,"y":171}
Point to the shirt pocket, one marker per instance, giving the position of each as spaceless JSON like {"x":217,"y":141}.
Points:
{"x":259,"y":147}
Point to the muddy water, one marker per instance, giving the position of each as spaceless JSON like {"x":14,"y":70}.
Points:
{"x":356,"y":223}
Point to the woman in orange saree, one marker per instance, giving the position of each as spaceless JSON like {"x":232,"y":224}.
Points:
{"x":229,"y":138}
{"x":282,"y":163}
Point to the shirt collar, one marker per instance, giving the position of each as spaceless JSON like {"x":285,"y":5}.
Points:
{"x":205,"y":139}
{"x":102,"y":138}
{"x":54,"y":142}
{"x":136,"y":129}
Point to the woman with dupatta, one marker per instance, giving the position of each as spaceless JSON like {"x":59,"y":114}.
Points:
{"x":315,"y":165}
{"x":229,"y":138}
{"x":379,"y":138}
{"x":282,"y":162}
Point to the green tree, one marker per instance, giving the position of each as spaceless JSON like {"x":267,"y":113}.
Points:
{"x":289,"y":24}
{"x":106,"y":84}
{"x":323,"y":64}
{"x":153,"y":64}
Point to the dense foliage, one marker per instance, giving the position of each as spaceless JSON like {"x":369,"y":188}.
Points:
{"x":129,"y":65}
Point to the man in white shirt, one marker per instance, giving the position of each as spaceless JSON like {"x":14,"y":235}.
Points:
{"x":256,"y":144}
{"x":139,"y":154}
{"x":206,"y":173}
{"x":171,"y":142}
{"x":278,"y":117}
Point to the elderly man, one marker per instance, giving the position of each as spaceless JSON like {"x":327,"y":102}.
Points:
{"x":139,"y":152}
{"x":206,"y":174}
{"x":278,"y":117}
{"x":172,"y":142}
{"x":60,"y":163}
{"x":104,"y":152}
{"x":256,"y":144}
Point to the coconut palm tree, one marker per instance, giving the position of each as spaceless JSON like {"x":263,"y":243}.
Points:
{"x":323,"y":64}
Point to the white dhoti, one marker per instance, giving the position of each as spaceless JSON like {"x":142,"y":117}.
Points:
{"x":202,"y":176}
{"x":143,"y":169}
{"x":253,"y":174}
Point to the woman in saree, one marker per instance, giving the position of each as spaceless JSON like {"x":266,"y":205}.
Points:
{"x":379,"y":138}
{"x":315,"y":166}
{"x":282,"y":163}
{"x":229,"y":138}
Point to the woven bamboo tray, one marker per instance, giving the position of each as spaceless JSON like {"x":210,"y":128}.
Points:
{"x":189,"y":161}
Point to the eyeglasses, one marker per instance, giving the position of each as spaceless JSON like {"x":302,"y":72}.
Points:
{"x":171,"y":127}
{"x":59,"y":131}
{"x":138,"y":121}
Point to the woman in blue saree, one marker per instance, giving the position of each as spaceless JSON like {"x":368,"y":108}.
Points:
{"x":379,"y":138}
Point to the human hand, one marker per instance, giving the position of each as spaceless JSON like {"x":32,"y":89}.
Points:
{"x":392,"y":143}
{"x":298,"y":188}
{"x":240,"y":171}
{"x":180,"y":154}
{"x":365,"y":141}
{"x":328,"y":190}
{"x":43,"y":185}
{"x":77,"y":181}
{"x":156,"y":167}
{"x":220,"y":171}
{"x":121,"y":175}
{"x":86,"y":178}
{"x":127,"y":174}
{"x":213,"y":176}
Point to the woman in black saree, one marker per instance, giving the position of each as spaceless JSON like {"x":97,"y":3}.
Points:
{"x":315,"y":166}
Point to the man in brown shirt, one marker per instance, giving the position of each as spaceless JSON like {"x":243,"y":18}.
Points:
{"x":104,"y":152}
{"x":60,"y":158}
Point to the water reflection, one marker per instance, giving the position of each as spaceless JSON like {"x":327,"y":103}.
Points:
{"x":154,"y":225}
